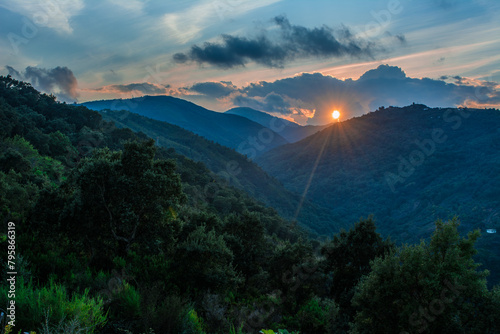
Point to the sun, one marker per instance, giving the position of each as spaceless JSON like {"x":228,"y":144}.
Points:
{"x":335,"y":114}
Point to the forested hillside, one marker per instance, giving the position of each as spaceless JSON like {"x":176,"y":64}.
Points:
{"x":232,"y":168}
{"x":407,"y":166}
{"x":116,"y":235}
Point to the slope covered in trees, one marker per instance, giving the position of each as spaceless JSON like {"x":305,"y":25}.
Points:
{"x":408,"y":166}
{"x":232,"y":167}
{"x":117,"y":235}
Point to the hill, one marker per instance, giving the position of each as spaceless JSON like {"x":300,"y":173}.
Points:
{"x":407,"y":166}
{"x":240,"y":133}
{"x":233,"y":168}
{"x":291,"y":131}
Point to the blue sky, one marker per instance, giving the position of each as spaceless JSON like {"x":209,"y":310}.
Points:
{"x":296,"y":59}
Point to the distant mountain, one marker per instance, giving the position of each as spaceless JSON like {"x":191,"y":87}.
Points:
{"x":407,"y":166}
{"x":291,"y":131}
{"x":246,"y":136}
{"x":232,"y":167}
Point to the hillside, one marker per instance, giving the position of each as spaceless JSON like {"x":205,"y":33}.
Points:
{"x":240,"y":133}
{"x":407,"y":166}
{"x":232,"y":167}
{"x":108,"y":224}
{"x":291,"y":131}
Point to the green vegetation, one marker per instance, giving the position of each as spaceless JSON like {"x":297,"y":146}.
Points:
{"x":408,"y":167}
{"x":116,"y":235}
{"x":231,"y":167}
{"x":434,"y":287}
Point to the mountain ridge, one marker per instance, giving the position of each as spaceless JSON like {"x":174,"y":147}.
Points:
{"x":240,"y":133}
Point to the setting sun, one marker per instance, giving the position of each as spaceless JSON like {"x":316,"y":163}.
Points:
{"x":335,"y":114}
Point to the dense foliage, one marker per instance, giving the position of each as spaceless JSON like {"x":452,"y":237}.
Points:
{"x":116,"y":235}
{"x":408,"y":167}
{"x":233,"y":168}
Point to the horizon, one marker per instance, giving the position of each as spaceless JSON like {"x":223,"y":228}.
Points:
{"x":331,"y":122}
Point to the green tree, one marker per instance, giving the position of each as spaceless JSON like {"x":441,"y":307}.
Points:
{"x":122,"y":198}
{"x":346,"y":259}
{"x":204,"y":261}
{"x":23,"y":174}
{"x":433,"y":287}
{"x":61,"y":148}
{"x":245,"y":237}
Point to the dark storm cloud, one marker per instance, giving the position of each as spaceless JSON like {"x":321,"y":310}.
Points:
{"x":276,"y":49}
{"x":383,"y":86}
{"x":213,"y":89}
{"x":59,"y":81}
{"x":236,"y":51}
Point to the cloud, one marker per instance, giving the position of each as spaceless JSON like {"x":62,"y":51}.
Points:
{"x":188,"y":24}
{"x":284,"y":44}
{"x":384,"y":72}
{"x":213,"y":89}
{"x":55,"y":14}
{"x":310,"y":98}
{"x":59,"y":81}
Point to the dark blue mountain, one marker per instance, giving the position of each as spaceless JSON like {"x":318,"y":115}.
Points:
{"x":245,"y":136}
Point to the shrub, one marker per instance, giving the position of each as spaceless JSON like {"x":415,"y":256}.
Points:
{"x":53,"y":300}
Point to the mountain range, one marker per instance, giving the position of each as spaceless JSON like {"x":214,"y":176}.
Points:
{"x":405,"y":166}
{"x":246,"y":136}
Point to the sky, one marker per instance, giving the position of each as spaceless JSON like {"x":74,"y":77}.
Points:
{"x":296,"y":59}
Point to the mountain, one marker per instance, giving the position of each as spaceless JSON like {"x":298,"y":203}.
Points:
{"x":407,"y":166}
{"x":240,"y":133}
{"x":291,"y":131}
{"x":233,"y":168}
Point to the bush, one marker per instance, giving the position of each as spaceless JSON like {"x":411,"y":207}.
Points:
{"x":37,"y":304}
{"x":163,"y":314}
{"x":193,"y":324}
{"x":127,"y":302}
